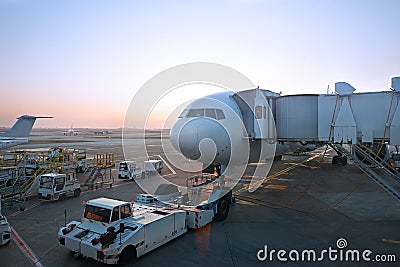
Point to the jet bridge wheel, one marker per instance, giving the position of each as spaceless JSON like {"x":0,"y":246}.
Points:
{"x":335,"y":160}
{"x":339,"y":160}
{"x":127,"y":254}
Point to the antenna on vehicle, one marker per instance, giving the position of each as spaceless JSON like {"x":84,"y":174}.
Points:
{"x":121,"y":230}
{"x":65,"y":217}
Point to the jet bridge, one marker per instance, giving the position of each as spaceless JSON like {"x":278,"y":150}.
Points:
{"x":352,"y":123}
{"x":343,"y":117}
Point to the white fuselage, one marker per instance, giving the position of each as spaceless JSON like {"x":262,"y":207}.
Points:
{"x":195,"y":131}
{"x":7,"y":142}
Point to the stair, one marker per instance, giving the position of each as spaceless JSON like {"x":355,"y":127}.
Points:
{"x":91,"y":175}
{"x":22,"y":184}
{"x":373,"y":165}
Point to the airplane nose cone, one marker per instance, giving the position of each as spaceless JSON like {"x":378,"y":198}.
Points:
{"x":194,"y":137}
{"x":188,"y":140}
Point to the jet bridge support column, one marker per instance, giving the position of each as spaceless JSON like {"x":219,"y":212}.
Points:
{"x":395,"y":125}
{"x":344,"y":126}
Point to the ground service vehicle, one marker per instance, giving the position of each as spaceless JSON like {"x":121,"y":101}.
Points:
{"x":396,"y":160}
{"x":54,"y":186}
{"x":113,"y":231}
{"x":153,"y":165}
{"x":5,"y":231}
{"x":129,"y":170}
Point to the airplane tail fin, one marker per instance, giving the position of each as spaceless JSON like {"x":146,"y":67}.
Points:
{"x":23,"y":126}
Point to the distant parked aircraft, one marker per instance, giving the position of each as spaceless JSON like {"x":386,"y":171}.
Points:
{"x":71,"y":131}
{"x":19,"y":133}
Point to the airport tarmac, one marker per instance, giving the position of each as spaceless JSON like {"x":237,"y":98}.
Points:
{"x":299,"y":207}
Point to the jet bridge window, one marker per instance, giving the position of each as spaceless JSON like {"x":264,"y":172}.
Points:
{"x":258,"y":112}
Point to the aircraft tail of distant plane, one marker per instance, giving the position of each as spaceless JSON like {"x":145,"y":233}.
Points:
{"x":19,"y":132}
{"x":22,"y":127}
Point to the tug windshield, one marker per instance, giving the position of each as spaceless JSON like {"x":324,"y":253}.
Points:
{"x":97,"y":213}
{"x":45,"y":182}
{"x":123,"y":167}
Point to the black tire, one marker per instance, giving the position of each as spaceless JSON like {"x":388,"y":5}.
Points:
{"x":128,"y":254}
{"x":335,"y":160}
{"x":77,"y":192}
{"x":62,"y":197}
{"x":343,"y":161}
{"x":222,"y":208}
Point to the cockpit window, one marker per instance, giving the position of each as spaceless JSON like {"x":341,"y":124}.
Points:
{"x":217,"y":114}
{"x":195,"y":113}
{"x":210,"y":113}
{"x":220,"y":114}
{"x":184,"y":113}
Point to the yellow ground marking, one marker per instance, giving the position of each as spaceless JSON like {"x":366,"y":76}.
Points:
{"x":275,"y":186}
{"x":391,"y":241}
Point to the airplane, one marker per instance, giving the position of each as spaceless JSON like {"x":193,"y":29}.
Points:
{"x":215,"y":117}
{"x":19,"y":132}
{"x":71,"y":131}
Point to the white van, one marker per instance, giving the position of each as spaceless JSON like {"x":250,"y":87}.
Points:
{"x":128,"y":170}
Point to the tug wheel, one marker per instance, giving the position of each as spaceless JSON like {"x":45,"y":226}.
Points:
{"x":222,"y":208}
{"x":77,"y":192}
{"x":127,"y":254}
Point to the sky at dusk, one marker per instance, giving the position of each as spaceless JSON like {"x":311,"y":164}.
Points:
{"x":83,"y":61}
